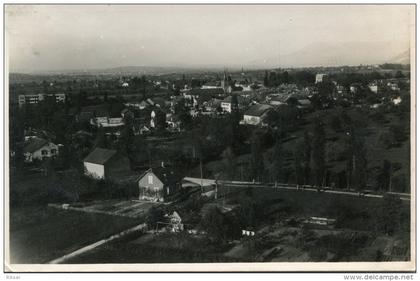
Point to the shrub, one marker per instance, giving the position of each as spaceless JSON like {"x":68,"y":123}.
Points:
{"x":154,"y":215}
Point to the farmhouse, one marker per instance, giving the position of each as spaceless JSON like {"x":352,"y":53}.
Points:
{"x":105,"y":163}
{"x":158,"y":184}
{"x":39,"y":149}
{"x":256,"y":114}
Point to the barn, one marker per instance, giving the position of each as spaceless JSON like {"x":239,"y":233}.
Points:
{"x":103,"y":163}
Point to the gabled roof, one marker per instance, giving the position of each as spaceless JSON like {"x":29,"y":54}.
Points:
{"x":100,"y":156}
{"x":258,"y":109}
{"x":166,"y":175}
{"x":34,"y":144}
{"x":228,"y":99}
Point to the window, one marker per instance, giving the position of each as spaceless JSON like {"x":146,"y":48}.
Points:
{"x":53,"y":151}
{"x":150,"y":179}
{"x":44,"y":152}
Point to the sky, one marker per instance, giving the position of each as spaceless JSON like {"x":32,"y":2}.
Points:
{"x":60,"y":37}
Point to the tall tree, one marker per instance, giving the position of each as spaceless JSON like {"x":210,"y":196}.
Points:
{"x":285,"y":77}
{"x":306,"y":158}
{"x":278,"y":159}
{"x":318,"y":153}
{"x":360,"y":162}
{"x":257,"y":160}
{"x":384,"y":177}
{"x":266,"y":79}
{"x":229,"y":163}
{"x":298,"y":155}
{"x":143,"y":87}
{"x":102,"y":139}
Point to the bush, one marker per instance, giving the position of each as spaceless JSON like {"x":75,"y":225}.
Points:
{"x":154,"y":215}
{"x":390,"y":214}
{"x":219,"y":226}
{"x":400,"y":183}
{"x":398,"y":133}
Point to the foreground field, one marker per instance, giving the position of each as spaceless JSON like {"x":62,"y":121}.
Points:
{"x":41,"y":234}
{"x":361,"y":233}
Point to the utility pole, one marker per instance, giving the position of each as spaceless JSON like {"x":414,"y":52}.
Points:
{"x":390,"y":177}
{"x":201,"y":174}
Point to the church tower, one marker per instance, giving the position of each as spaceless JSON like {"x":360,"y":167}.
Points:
{"x":225,"y":83}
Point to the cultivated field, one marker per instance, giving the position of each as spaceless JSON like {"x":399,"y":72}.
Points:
{"x":357,"y":235}
{"x":41,"y":234}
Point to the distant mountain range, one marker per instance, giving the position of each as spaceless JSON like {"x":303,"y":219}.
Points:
{"x":328,"y":54}
{"x":403,"y":58}
{"x":314,"y":55}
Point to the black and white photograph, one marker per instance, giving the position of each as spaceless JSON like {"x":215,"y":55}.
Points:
{"x":209,"y":137}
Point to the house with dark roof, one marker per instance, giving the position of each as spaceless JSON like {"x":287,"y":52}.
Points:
{"x":39,"y":149}
{"x":87,"y":113}
{"x":158,"y":184}
{"x":256,"y":114}
{"x":104,"y":163}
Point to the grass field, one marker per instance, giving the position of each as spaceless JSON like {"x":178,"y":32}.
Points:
{"x":41,"y":234}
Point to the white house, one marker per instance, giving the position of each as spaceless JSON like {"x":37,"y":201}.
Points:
{"x":319,"y":78}
{"x":393,"y":85}
{"x":226,"y":104}
{"x":107,"y":122}
{"x":39,"y":149}
{"x":397,"y":100}
{"x":158,"y":184}
{"x":373,"y":87}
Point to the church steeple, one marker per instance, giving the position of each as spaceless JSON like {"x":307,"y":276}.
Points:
{"x":225,"y":83}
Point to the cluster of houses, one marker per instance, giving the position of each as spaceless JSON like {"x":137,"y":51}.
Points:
{"x":212,"y":98}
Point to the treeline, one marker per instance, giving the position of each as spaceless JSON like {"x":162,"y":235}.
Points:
{"x":332,"y":151}
{"x":305,"y":78}
{"x":301,"y":78}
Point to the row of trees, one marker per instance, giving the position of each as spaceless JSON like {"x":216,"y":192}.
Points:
{"x":307,"y":161}
{"x":301,"y":78}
